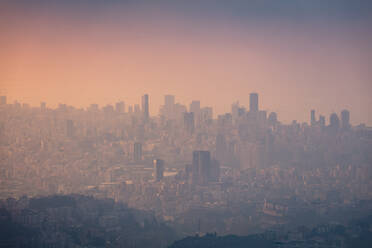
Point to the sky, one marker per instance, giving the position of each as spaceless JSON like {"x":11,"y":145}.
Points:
{"x":297,"y":54}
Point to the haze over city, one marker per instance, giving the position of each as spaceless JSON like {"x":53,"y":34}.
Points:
{"x":185,"y":124}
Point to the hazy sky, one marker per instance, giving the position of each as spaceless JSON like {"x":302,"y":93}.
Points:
{"x":297,"y":55}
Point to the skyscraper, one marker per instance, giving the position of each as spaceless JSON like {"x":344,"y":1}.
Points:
{"x":158,"y":169}
{"x":2,"y":100}
{"x":120,"y":107}
{"x":312,"y":117}
{"x":108,"y":111}
{"x":169,"y":107}
{"x":93,"y":107}
{"x":201,"y":167}
{"x":130,"y":109}
{"x":345,"y":119}
{"x":206,"y":114}
{"x":137,"y":109}
{"x":322,"y":120}
{"x":334,"y":121}
{"x":195,"y":107}
{"x":262,"y":117}
{"x":253,"y":102}
{"x":43,"y":105}
{"x":188,"y":122}
{"x":273,"y":118}
{"x":145,"y":107}
{"x":235,"y":110}
{"x":169,"y":100}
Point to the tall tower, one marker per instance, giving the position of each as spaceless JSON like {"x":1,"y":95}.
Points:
{"x":312,"y":117}
{"x":120,"y":107}
{"x":43,"y":105}
{"x":2,"y":100}
{"x":253,"y":102}
{"x":201,"y":167}
{"x":273,"y":118}
{"x":169,"y":100}
{"x":322,"y":120}
{"x":189,"y":122}
{"x":345,"y":119}
{"x":158,"y":169}
{"x":169,"y":106}
{"x":334,"y":121}
{"x":195,"y":107}
{"x":145,"y":107}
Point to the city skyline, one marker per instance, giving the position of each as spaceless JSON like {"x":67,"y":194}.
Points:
{"x":241,"y":173}
{"x":253,"y":105}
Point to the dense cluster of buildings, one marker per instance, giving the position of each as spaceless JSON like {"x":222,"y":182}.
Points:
{"x":238,"y":172}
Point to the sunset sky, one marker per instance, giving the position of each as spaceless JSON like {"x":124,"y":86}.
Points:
{"x":297,"y":55}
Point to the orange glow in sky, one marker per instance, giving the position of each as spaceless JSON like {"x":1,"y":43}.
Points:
{"x":48,"y":56}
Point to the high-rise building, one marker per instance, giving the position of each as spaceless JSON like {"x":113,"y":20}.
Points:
{"x":93,"y":107}
{"x":322,"y":120}
{"x":137,"y":152}
{"x":43,"y":105}
{"x":130,"y":109}
{"x":312,"y":117}
{"x":188,"y":122}
{"x":2,"y":100}
{"x":137,"y":109}
{"x":241,"y":111}
{"x":168,"y":109}
{"x":158,"y":169}
{"x":253,"y":102}
{"x":224,"y":120}
{"x":345,"y":119}
{"x":262,"y":117}
{"x":120,"y":107}
{"x":169,"y":100}
{"x":206,"y":114}
{"x":108,"y":111}
{"x":334,"y":121}
{"x":195,"y":107}
{"x":145,"y":107}
{"x":235,"y":110}
{"x":273,"y":118}
{"x":201,"y":164}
